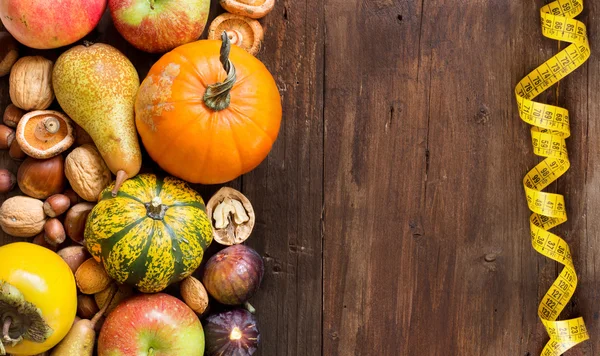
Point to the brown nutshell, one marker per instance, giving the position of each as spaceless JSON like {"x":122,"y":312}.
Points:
{"x":75,"y":221}
{"x":15,"y":152}
{"x":54,"y":232}
{"x":22,"y":216}
{"x":7,"y":136}
{"x":74,"y":256}
{"x":86,"y":306}
{"x":41,"y":241}
{"x":7,"y":181}
{"x":30,"y":86}
{"x":91,"y":277}
{"x":87,"y":172}
{"x":12,"y":116}
{"x":194,"y":294}
{"x":9,"y":52}
{"x":56,"y":205}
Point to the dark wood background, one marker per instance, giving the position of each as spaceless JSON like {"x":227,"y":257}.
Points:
{"x":398,"y":170}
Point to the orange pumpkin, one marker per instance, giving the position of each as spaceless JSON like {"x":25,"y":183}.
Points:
{"x":208,"y":112}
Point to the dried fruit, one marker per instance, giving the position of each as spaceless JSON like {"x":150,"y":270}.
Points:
{"x":74,"y":256}
{"x":54,"y":232}
{"x":232,"y":216}
{"x":56,"y":205}
{"x":233,"y":332}
{"x":7,"y":136}
{"x":123,"y":291}
{"x":243,"y":31}
{"x":233,"y":275}
{"x":87,"y":172}
{"x":15,"y":152}
{"x":251,"y":8}
{"x":45,"y":133}
{"x":75,"y":220}
{"x":41,"y":178}
{"x":22,"y":216}
{"x":7,"y":181}
{"x":31,"y":83}
{"x":86,"y":306}
{"x":12,"y":116}
{"x":194,"y":294}
{"x":91,"y":277}
{"x":9,"y":52}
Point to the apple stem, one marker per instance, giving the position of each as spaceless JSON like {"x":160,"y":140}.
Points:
{"x":152,"y":4}
{"x":121,"y":177}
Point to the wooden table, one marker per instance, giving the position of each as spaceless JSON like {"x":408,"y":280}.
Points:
{"x":390,"y":212}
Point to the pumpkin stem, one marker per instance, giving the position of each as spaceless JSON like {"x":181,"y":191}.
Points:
{"x":217,"y":96}
{"x":156,"y":209}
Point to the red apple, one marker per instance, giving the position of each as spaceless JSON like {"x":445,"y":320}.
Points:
{"x":45,"y":24}
{"x":158,"y":26}
{"x":151,"y":324}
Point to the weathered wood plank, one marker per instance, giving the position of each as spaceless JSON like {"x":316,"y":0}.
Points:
{"x":287,"y":189}
{"x":424,"y":157}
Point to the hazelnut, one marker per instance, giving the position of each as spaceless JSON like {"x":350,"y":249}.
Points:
{"x":74,"y":256}
{"x":56,"y":205}
{"x":12,"y":116}
{"x":54,"y":232}
{"x":15,"y":152}
{"x":86,"y":306}
{"x":7,"y":181}
{"x":9,"y":53}
{"x":7,"y":136}
{"x":76,"y":219}
{"x":40,"y":240}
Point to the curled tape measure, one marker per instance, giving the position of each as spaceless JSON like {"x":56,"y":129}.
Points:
{"x":550,"y":128}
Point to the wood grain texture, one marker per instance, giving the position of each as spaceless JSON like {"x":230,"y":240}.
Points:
{"x":426,"y":228}
{"x":390,"y":212}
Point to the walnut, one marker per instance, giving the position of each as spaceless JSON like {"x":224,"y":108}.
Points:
{"x":87,"y":172}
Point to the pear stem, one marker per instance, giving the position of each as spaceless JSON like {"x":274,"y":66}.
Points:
{"x":101,"y":312}
{"x":121,"y":177}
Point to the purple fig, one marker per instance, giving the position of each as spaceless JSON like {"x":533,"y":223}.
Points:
{"x":233,"y":275}
{"x":233,"y":332}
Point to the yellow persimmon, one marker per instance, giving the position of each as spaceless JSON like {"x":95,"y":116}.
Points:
{"x":38,"y":299}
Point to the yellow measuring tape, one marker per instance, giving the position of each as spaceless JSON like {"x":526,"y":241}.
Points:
{"x":550,"y":128}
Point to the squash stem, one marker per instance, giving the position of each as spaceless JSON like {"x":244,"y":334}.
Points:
{"x":217,"y":96}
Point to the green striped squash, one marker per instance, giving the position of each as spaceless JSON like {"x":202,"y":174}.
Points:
{"x":152,"y":234}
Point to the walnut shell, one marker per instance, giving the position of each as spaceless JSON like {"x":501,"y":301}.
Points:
{"x":30,"y":85}
{"x":22,"y":216}
{"x":91,"y":277}
{"x":87,"y":172}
